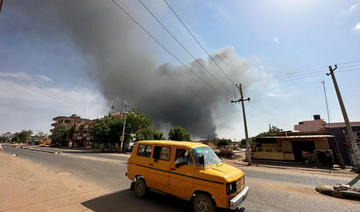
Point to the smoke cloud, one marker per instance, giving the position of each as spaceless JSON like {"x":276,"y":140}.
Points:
{"x":121,"y":61}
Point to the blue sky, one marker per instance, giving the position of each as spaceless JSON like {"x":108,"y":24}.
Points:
{"x":276,"y":37}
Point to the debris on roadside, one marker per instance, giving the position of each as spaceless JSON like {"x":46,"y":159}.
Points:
{"x":14,"y":155}
{"x":340,"y":191}
{"x":346,"y":188}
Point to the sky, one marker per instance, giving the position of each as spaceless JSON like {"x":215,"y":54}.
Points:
{"x":60,"y":59}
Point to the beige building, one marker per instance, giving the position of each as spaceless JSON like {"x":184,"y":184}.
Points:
{"x":80,"y":126}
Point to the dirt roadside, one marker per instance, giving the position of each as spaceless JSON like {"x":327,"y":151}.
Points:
{"x":26,"y":186}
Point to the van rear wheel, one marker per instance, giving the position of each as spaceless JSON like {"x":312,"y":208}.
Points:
{"x":140,"y":188}
{"x":203,"y":203}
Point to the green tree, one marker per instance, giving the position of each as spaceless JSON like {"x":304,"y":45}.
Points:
{"x":179,"y":134}
{"x":109,"y":128}
{"x":273,"y":130}
{"x":149,"y":134}
{"x":61,"y":135}
{"x":243,"y":143}
{"x":3,"y":138}
{"x":23,"y":136}
{"x":222,"y":142}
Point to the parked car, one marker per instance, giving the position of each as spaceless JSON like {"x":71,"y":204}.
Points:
{"x":188,"y":170}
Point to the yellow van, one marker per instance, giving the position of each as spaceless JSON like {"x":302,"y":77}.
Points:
{"x":188,"y":170}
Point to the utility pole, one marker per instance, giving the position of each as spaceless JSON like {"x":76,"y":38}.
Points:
{"x":123,"y":129}
{"x":242,"y":100}
{"x":351,"y":139}
{"x":326,"y":102}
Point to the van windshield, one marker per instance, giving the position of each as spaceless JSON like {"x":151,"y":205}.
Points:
{"x":209,"y":155}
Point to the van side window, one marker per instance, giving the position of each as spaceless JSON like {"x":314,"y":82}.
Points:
{"x":162,"y":153}
{"x":148,"y":150}
{"x":144,"y":150}
{"x":182,"y":157}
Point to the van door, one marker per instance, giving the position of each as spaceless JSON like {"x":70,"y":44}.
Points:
{"x":141,"y":161}
{"x":159,"y":168}
{"x":182,"y":170}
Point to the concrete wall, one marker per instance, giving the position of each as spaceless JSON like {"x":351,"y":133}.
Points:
{"x":289,"y":156}
{"x":269,"y":155}
{"x":321,"y":145}
{"x":286,"y":146}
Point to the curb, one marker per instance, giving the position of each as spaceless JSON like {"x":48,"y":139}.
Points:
{"x":42,"y":150}
{"x":329,"y":190}
{"x":294,"y":168}
{"x":60,"y":151}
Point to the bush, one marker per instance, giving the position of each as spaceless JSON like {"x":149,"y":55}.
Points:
{"x":223,"y":142}
{"x":226,"y":152}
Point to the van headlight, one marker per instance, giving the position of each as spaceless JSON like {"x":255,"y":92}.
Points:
{"x":231,"y":188}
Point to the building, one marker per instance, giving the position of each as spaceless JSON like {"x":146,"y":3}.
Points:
{"x":310,"y":126}
{"x":80,"y":129}
{"x":290,"y":146}
{"x":337,"y":129}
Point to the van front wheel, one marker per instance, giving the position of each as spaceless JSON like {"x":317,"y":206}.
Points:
{"x":203,"y":203}
{"x":140,"y":188}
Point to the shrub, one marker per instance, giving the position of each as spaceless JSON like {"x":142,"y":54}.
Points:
{"x":226,"y":152}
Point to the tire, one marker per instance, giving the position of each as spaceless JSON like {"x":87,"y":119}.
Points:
{"x":140,"y":188}
{"x":203,"y":203}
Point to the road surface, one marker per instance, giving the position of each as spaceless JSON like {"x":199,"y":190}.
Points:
{"x":269,"y":190}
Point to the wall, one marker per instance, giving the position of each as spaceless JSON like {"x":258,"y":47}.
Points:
{"x":269,"y":155}
{"x":309,"y":126}
{"x":321,"y":144}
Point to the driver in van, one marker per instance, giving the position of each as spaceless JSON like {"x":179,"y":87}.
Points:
{"x":180,"y":157}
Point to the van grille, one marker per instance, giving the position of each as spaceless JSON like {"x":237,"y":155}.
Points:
{"x":240,"y":184}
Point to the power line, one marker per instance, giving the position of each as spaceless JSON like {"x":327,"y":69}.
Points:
{"x":37,"y":90}
{"x":166,"y":49}
{"x":307,"y":70}
{"x":172,"y":35}
{"x":198,"y":42}
{"x":296,"y":74}
{"x":291,"y":78}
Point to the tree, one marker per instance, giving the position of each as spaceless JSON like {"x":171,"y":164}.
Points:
{"x":149,"y":134}
{"x":243,"y":143}
{"x":23,"y":136}
{"x":61,"y":135}
{"x":3,"y":138}
{"x":109,"y":128}
{"x":273,"y":130}
{"x":223,"y":142}
{"x":179,"y":134}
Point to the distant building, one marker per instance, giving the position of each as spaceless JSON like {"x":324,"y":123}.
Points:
{"x":80,"y":126}
{"x":290,"y":146}
{"x":310,"y":126}
{"x":336,"y":129}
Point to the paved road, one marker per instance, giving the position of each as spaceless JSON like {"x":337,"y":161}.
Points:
{"x":269,"y":191}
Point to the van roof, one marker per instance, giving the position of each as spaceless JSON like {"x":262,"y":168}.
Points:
{"x":173,"y":143}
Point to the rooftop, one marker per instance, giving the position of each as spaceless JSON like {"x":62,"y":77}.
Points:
{"x":341,"y":124}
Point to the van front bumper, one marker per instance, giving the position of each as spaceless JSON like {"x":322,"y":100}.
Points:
{"x":238,"y":199}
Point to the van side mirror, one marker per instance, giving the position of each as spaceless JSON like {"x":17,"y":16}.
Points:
{"x":201,"y":160}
